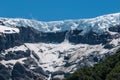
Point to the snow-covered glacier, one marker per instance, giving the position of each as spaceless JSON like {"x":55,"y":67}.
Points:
{"x":52,"y":50}
{"x":99,"y":24}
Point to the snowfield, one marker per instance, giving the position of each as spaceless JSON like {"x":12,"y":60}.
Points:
{"x":52,"y":56}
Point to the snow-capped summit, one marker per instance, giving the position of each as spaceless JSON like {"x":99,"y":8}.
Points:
{"x":99,"y":24}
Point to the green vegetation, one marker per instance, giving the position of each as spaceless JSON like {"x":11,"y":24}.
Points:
{"x":109,"y":69}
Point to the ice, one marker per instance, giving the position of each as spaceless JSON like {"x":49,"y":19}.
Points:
{"x":99,"y":24}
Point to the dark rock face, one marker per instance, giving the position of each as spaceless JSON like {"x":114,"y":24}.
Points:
{"x":31,"y":35}
{"x":4,"y":73}
{"x":19,"y":72}
{"x":9,"y":40}
{"x":16,"y":55}
{"x":89,"y":38}
{"x":115,"y":29}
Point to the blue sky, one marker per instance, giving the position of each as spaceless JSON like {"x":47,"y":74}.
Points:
{"x":51,"y":10}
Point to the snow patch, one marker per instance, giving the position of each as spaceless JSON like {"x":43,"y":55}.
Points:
{"x":8,"y":30}
{"x":16,"y":48}
{"x":13,"y":61}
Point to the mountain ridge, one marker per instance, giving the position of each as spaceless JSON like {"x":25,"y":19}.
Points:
{"x":103,"y":23}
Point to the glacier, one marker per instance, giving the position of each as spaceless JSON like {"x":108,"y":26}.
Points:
{"x":99,"y":24}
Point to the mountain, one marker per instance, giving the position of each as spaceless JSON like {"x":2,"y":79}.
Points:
{"x":36,"y":50}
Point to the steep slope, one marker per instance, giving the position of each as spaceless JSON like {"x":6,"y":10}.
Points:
{"x":106,"y":70}
{"x":54,"y":49}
